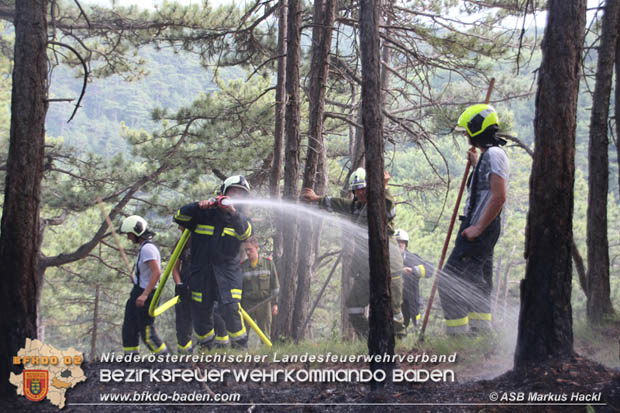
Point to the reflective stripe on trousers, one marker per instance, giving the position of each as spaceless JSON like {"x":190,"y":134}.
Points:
{"x":202,"y":339}
{"x":481,"y":321}
{"x":457,"y":326}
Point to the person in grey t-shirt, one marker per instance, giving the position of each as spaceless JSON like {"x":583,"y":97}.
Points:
{"x":137,"y":321}
{"x":465,"y":286}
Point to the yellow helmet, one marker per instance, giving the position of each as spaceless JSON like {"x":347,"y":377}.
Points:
{"x":478,"y":118}
{"x":357,"y":180}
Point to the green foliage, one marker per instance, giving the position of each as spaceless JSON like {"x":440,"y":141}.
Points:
{"x":170,"y":83}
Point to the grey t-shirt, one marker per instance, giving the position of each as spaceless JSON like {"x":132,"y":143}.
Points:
{"x":149,"y":252}
{"x":495,"y":162}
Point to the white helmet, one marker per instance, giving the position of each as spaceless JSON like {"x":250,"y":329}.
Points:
{"x":235,"y":181}
{"x":134,"y":224}
{"x":401,"y":235}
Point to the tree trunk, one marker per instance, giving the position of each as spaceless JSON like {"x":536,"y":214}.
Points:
{"x":356,"y":151}
{"x":93,"y":334}
{"x":617,"y":106}
{"x":599,"y":301}
{"x":324,"y":15}
{"x":291,"y":171}
{"x":276,"y":167}
{"x":20,"y":218}
{"x":381,"y":333}
{"x":580,"y":267}
{"x":545,"y":320}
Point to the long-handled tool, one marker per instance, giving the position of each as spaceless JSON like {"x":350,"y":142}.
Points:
{"x":118,"y":243}
{"x":260,"y":303}
{"x":449,"y":234}
{"x":318,"y":297}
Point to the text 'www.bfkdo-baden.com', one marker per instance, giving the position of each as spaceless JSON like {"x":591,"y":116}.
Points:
{"x":166,"y":397}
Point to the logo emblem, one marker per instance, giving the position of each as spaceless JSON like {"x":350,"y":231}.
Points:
{"x":36,"y":384}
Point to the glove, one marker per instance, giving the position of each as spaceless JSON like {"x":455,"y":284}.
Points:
{"x":208,"y":203}
{"x":182,"y":290}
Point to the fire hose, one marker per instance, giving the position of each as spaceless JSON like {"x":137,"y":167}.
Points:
{"x":155,"y":309}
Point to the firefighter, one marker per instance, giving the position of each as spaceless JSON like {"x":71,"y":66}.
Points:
{"x":414,"y":269}
{"x":465,"y":289}
{"x":218,"y":228}
{"x":358,"y":295}
{"x":137,"y":321}
{"x":260,"y":282}
{"x":183,"y":320}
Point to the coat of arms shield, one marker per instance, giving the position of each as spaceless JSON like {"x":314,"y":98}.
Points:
{"x":36,"y":384}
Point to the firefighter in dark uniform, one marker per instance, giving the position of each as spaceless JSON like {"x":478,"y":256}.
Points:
{"x":358,"y":296}
{"x":137,"y":321}
{"x":414,"y":269}
{"x":181,"y":275}
{"x":218,"y":229}
{"x":465,"y":289}
{"x":260,"y":282}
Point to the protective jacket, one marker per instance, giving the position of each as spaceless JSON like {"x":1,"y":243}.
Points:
{"x":260,"y":283}
{"x":215,"y":271}
{"x":216,"y":239}
{"x":358,"y":296}
{"x":359,"y":211}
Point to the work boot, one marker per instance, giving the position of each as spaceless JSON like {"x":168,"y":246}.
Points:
{"x":206,"y":346}
{"x":221,"y":343}
{"x":400,"y":330}
{"x":186,"y":351}
{"x":240,"y":344}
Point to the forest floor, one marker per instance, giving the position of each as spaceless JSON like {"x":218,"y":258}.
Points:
{"x":579,"y":385}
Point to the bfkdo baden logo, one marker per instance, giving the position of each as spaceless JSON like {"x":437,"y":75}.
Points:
{"x":36,"y":384}
{"x":48,"y":372}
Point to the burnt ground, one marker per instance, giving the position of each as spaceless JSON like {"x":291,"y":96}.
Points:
{"x":550,"y":387}
{"x":549,"y":383}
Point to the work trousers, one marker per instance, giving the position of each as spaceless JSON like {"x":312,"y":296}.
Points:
{"x":261,"y":315}
{"x":184,"y":326}
{"x":204,"y":292}
{"x":359,"y":295}
{"x":466,"y":283}
{"x":221,"y":335}
{"x":138,"y":323}
{"x":411,"y":305}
